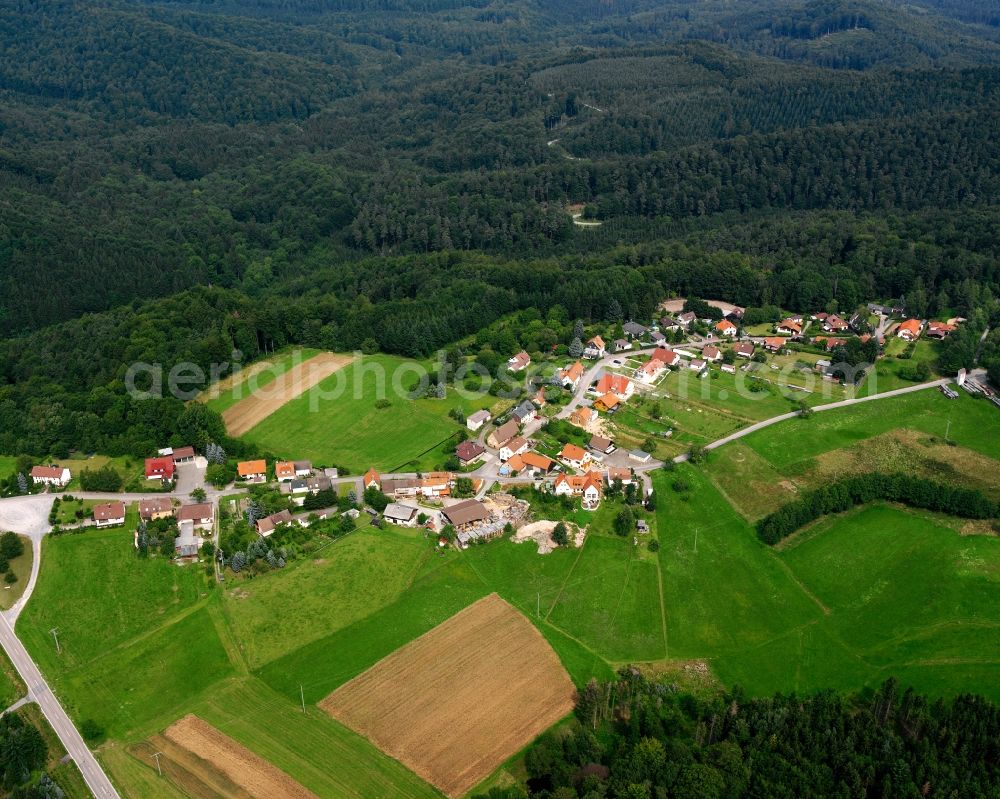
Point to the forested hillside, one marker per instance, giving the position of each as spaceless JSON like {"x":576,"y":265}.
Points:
{"x":182,"y":177}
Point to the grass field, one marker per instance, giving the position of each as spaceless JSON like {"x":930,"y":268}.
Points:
{"x":21,"y":566}
{"x":349,"y":430}
{"x":12,"y":686}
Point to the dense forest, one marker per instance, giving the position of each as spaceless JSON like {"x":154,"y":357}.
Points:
{"x":635,"y":738}
{"x":183,"y":178}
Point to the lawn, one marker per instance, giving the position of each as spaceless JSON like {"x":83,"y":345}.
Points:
{"x":887,"y":375}
{"x":12,"y":686}
{"x":75,"y":511}
{"x":341,"y":423}
{"x":316,"y":596}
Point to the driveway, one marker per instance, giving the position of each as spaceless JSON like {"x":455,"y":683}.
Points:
{"x":189,"y":477}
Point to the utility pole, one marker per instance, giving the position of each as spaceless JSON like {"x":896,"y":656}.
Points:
{"x":302,"y":697}
{"x":156,"y":757}
{"x":55,"y":635}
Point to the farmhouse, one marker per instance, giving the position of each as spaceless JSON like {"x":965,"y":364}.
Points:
{"x":470,"y":512}
{"x":600,"y":444}
{"x":51,"y":475}
{"x":503,"y":434}
{"x":574,"y":456}
{"x":269,"y":524}
{"x":595,"y":348}
{"x":469,"y":452}
{"x":570,"y":377}
{"x":634,"y":330}
{"x":372,"y":479}
{"x":910,"y":329}
{"x":774,"y":344}
{"x":201,"y":514}
{"x":667,"y":357}
{"x":619,"y":385}
{"x":433,"y":484}
{"x":515,"y":446}
{"x":711,"y":353}
{"x":284,"y":471}
{"x":160,"y":469}
{"x":109,"y":514}
{"x":402,"y":515}
{"x":581,"y":417}
{"x":478,"y":419}
{"x":788,"y":327}
{"x":252,"y":471}
{"x":726,"y":328}
{"x":940,"y":330}
{"x":744,"y":349}
{"x":158,"y":508}
{"x":519,"y":362}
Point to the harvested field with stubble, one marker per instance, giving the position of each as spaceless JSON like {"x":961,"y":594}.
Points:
{"x":266,"y":399}
{"x":457,"y":702}
{"x":229,"y":768}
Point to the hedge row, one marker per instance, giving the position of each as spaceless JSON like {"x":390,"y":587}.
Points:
{"x":850,"y":491}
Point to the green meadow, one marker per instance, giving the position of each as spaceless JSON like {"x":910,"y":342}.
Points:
{"x":341,"y":420}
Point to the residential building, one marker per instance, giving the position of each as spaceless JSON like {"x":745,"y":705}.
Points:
{"x":607,"y":402}
{"x":519,"y":362}
{"x":252,"y":471}
{"x":574,"y":456}
{"x":371,"y":479}
{"x":570,"y":377}
{"x":619,"y":473}
{"x":515,"y":446}
{"x":621,"y":345}
{"x":465,"y":514}
{"x":711,"y":354}
{"x":834,"y":324}
{"x":726,"y":328}
{"x":587,"y":486}
{"x":476,"y":420}
{"x":744,"y":349}
{"x":58,"y":476}
{"x":788,"y":327}
{"x":469,"y":452}
{"x":183,"y":455}
{"x":639,"y":456}
{"x":501,"y":435}
{"x":269,"y":524}
{"x":156,"y":508}
{"x":698,"y":365}
{"x":109,"y":514}
{"x":581,"y":417}
{"x":284,"y":471}
{"x":402,"y":515}
{"x":669,"y":323}
{"x":910,"y":329}
{"x":524,"y":412}
{"x":940,"y":330}
{"x":728,"y":368}
{"x":667,"y":357}
{"x":619,"y":385}
{"x":774,"y":343}
{"x":650,"y":371}
{"x":687,"y":318}
{"x":595,"y":349}
{"x":604,"y":446}
{"x":657,"y":338}
{"x":303,"y":468}
{"x":535,"y":462}
{"x":634,"y":330}
{"x":201,"y":514}
{"x":160,"y":468}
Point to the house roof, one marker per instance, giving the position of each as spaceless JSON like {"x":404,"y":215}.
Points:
{"x":47,"y":472}
{"x":201,"y":510}
{"x":371,"y":476}
{"x":597,"y":341}
{"x":506,"y":432}
{"x":165,"y":464}
{"x":619,"y":384}
{"x":536,"y":460}
{"x":744,"y":347}
{"x":525,"y":409}
{"x":284,"y":469}
{"x":790,"y":324}
{"x":147,"y":507}
{"x":467,"y":512}
{"x":571,"y":452}
{"x":911,"y":326}
{"x":268,"y":524}
{"x":520,"y":360}
{"x":608,"y":400}
{"x":687,"y":316}
{"x":574,"y":372}
{"x":600,"y":443}
{"x":581,"y":416}
{"x":652,"y":366}
{"x":480,"y":416}
{"x":831,"y":343}
{"x":775,"y":342}
{"x":182,"y":453}
{"x":725,"y":325}
{"x":516,"y":443}
{"x":698,"y":363}
{"x":468,"y":450}
{"x":940,"y":327}
{"x":580,"y":482}
{"x":669,"y":357}
{"x":395,"y":510}
{"x":633,"y":328}
{"x":302,"y":466}
{"x":109,"y":510}
{"x":711,"y":352}
{"x":246,"y":468}
{"x":618,"y":473}
{"x":668,"y":321}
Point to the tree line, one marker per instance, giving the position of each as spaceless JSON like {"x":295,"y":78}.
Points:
{"x":916,"y":492}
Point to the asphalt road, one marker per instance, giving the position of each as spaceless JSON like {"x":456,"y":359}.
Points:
{"x":39,"y":691}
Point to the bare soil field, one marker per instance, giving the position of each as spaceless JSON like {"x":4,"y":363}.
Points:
{"x":218,"y":388}
{"x":251,"y":411}
{"x":455,"y":703}
{"x":209,"y":763}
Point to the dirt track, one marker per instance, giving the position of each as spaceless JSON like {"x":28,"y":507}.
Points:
{"x":265,"y":400}
{"x":254,"y":775}
{"x":458,"y":701}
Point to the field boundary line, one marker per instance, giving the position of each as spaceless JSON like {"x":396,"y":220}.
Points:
{"x":566,"y":580}
{"x":802,"y":586}
{"x":663,"y":603}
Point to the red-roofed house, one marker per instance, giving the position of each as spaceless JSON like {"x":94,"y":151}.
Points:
{"x":668,"y":357}
{"x":726,"y":328}
{"x":711,"y":353}
{"x":774,"y":344}
{"x":371,"y":478}
{"x":909,"y":330}
{"x":586,"y":485}
{"x":51,"y":475}
{"x":160,"y":468}
{"x":940,"y":329}
{"x":650,"y":370}
{"x":519,"y":362}
{"x":284,"y":471}
{"x":109,"y":514}
{"x":570,"y":376}
{"x":574,"y":456}
{"x":595,"y":349}
{"x":744,"y":349}
{"x":788,"y":327}
{"x":619,"y":385}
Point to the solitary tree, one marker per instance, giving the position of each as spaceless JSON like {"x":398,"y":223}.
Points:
{"x":560,"y":535}
{"x":575,"y":348}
